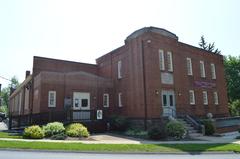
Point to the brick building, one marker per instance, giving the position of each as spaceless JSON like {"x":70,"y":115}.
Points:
{"x":151,"y":76}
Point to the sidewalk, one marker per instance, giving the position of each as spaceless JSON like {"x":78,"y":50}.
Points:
{"x":113,"y":139}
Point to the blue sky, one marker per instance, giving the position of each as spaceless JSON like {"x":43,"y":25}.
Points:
{"x":84,"y":30}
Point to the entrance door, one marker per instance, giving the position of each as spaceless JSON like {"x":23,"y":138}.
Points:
{"x":81,"y":106}
{"x":168,"y":103}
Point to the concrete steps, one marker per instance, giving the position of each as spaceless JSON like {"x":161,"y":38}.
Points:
{"x":192,"y":132}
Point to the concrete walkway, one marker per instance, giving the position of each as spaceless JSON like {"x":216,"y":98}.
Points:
{"x":116,"y":139}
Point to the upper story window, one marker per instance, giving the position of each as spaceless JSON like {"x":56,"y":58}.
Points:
{"x":105,"y":100}
{"x":161,"y":60}
{"x":205,"y":98}
{"x":191,"y":97}
{"x":119,"y":69}
{"x":52,"y":99}
{"x":189,"y":66}
{"x":169,"y":61}
{"x":202,"y":69}
{"x":120,"y":99}
{"x":213,"y":71}
{"x":215,"y":98}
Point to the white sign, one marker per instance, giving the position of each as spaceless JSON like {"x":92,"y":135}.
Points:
{"x":166,"y":78}
{"x":99,"y":114}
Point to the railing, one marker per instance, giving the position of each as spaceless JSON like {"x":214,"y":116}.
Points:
{"x":51,"y":116}
{"x":169,"y":111}
{"x":183,"y":113}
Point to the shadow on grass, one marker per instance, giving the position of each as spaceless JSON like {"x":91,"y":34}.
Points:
{"x":199,"y":148}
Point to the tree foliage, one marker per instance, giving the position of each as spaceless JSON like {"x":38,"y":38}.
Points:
{"x":208,"y":46}
{"x":5,"y":93}
{"x":232,"y":73}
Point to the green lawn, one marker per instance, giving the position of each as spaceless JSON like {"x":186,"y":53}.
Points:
{"x":120,"y":147}
{"x":7,"y":135}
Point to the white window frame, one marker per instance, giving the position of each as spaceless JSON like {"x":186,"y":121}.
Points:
{"x":215,"y":98}
{"x":169,"y":61}
{"x":161,"y":60}
{"x":213,"y":71}
{"x":119,"y":69}
{"x":202,"y":69}
{"x":191,"y":94}
{"x":189,"y":66}
{"x":205,"y":98}
{"x":106,"y":95}
{"x":49,"y":99}
{"x":120,"y":99}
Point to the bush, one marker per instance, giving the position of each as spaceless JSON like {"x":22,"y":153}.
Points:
{"x":61,"y":136}
{"x":53,"y":128}
{"x":156,"y":133}
{"x":119,"y":123}
{"x":77,"y":130}
{"x":33,"y":132}
{"x":175,"y":129}
{"x":136,"y":133}
{"x":234,"y":107}
{"x":209,"y":127}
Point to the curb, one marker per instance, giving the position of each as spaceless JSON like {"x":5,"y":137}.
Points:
{"x":122,"y":153}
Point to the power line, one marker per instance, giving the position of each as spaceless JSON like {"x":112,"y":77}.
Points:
{"x":5,"y":78}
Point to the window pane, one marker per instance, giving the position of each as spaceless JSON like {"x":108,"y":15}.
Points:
{"x":161,"y":60}
{"x":84,"y":102}
{"x":76,"y":103}
{"x":164,"y":100}
{"x":171,"y":100}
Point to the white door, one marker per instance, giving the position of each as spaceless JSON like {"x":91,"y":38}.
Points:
{"x":81,"y":101}
{"x":168,"y":103}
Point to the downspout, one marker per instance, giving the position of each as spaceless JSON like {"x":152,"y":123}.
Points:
{"x":144,"y":86}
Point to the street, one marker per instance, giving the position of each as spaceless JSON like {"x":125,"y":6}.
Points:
{"x":13,"y":154}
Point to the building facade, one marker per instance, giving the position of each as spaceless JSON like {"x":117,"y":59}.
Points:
{"x":151,"y":76}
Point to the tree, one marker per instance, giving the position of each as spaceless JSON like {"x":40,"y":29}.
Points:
{"x":232,"y":73}
{"x":6,"y":91}
{"x":208,"y":47}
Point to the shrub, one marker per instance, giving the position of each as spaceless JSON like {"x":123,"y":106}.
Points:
{"x":53,"y":128}
{"x":209,"y":127}
{"x":61,"y":136}
{"x":156,"y":133}
{"x":33,"y":132}
{"x":77,"y":130}
{"x":118,"y":123}
{"x":175,"y":129}
{"x":136,"y":133}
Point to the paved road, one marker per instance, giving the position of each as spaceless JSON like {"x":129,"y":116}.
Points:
{"x":12,"y":154}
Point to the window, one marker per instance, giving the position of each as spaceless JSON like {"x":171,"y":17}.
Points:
{"x":205,"y":98}
{"x":191,"y":97}
{"x":119,"y":69}
{"x":161,"y":60}
{"x":76,"y":103}
{"x":164,"y":100}
{"x":120,"y":99}
{"x":215,"y":98}
{"x":189,"y":66}
{"x":213,"y":71}
{"x":169,"y":61}
{"x":105,"y":100}
{"x":202,"y":69}
{"x":52,"y":99}
{"x":84,"y":102}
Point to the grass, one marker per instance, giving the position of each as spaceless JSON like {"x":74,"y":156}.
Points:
{"x":119,"y":147}
{"x":7,"y":135}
